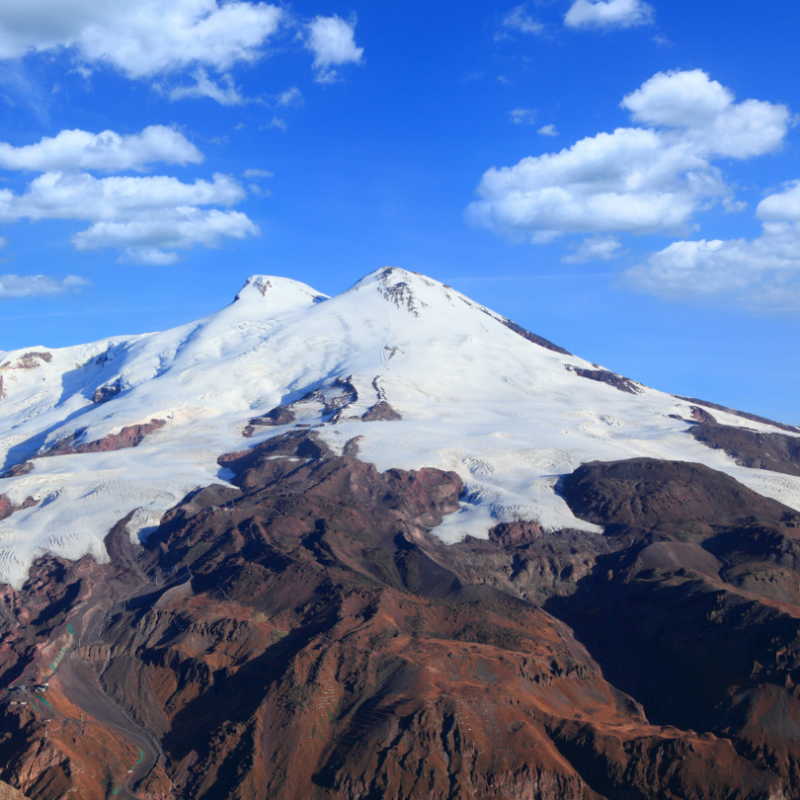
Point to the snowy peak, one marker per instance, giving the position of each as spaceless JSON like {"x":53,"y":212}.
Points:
{"x":278,"y":295}
{"x":405,"y":290}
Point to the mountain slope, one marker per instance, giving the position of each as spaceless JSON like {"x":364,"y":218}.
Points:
{"x":126,"y":427}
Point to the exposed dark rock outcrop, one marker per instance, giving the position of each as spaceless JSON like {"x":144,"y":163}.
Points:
{"x":18,"y":469}
{"x":776,"y":452}
{"x":647,"y":493}
{"x":281,"y":415}
{"x":31,"y":360}
{"x":108,"y":392}
{"x":698,"y":614}
{"x":130,"y":436}
{"x":381,"y":411}
{"x":532,"y":337}
{"x":701,"y":415}
{"x":743,"y":414}
{"x":611,"y":378}
{"x":7,"y":508}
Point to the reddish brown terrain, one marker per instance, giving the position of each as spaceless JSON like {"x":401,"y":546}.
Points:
{"x":304,"y":637}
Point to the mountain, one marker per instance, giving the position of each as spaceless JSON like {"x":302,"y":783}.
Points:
{"x":393,"y":533}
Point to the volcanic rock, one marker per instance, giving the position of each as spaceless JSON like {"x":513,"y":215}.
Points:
{"x":611,"y":378}
{"x":381,"y":411}
{"x":130,"y":436}
{"x":776,"y":452}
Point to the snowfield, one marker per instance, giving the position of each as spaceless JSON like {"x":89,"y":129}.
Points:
{"x":509,"y":416}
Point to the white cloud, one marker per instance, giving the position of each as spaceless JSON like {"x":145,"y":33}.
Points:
{"x":62,"y":195}
{"x":291,"y":97}
{"x":522,"y":116}
{"x":140,"y":215}
{"x":158,"y":40}
{"x":3,"y":242}
{"x":518,"y":19}
{"x":140,"y":37}
{"x":258,"y":173}
{"x":640,"y":180}
{"x":679,"y":99}
{"x":332,"y":40}
{"x":762,"y":274}
{"x":77,"y":149}
{"x":147,"y":256}
{"x":277,"y":122}
{"x":547,"y":130}
{"x":782,"y":207}
{"x":143,"y":237}
{"x":596,"y":248}
{"x":608,"y":14}
{"x":38,"y":285}
{"x":714,"y":122}
{"x":227,"y":95}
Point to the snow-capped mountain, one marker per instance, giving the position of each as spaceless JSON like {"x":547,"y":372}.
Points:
{"x":417,"y":373}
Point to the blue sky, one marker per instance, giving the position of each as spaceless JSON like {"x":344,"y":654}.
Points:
{"x":618,"y":176}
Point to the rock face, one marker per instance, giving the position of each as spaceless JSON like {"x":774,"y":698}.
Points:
{"x":10,"y":793}
{"x":742,"y":414}
{"x":611,"y":378}
{"x":278,"y":416}
{"x":532,"y":337}
{"x":7,"y":508}
{"x":776,"y":452}
{"x":698,"y":615}
{"x":303,"y":636}
{"x":130,"y":436}
{"x":381,"y":411}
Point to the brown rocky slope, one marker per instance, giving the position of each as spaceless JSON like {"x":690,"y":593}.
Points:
{"x":305,"y":637}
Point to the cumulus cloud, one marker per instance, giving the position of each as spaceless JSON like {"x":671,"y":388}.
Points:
{"x":63,"y":195}
{"x":547,"y":130}
{"x":640,"y":180}
{"x":332,"y":41}
{"x":783,"y":207}
{"x":159,"y":40}
{"x":608,"y":14}
{"x":763,"y":273}
{"x":140,"y":38}
{"x":38,"y":285}
{"x":706,"y":109}
{"x":596,"y":248}
{"x":145,"y":238}
{"x":145,"y":216}
{"x":107,"y":151}
{"x":518,"y":19}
